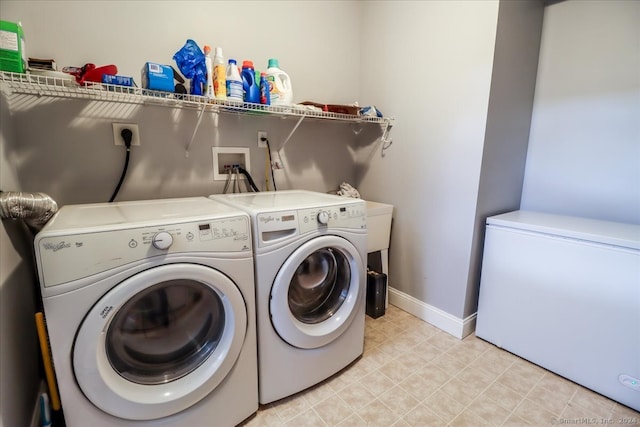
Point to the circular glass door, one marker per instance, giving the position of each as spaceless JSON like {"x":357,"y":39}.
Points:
{"x":317,"y":292}
{"x":160,"y":341}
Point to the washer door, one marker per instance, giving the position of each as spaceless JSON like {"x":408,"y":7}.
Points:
{"x":317,"y":292}
{"x":160,"y":341}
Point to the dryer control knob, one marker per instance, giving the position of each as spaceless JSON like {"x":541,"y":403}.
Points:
{"x":323,"y":217}
{"x":162,"y":240}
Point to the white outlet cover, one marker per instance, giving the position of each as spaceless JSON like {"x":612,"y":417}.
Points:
{"x":117,"y":137}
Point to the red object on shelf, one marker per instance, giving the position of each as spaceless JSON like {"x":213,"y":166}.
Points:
{"x":90,"y":73}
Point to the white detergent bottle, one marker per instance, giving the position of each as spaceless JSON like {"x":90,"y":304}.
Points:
{"x":235,"y":91}
{"x":208,"y":90}
{"x":280,"y":89}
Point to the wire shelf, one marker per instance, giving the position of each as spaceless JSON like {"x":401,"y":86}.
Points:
{"x":46,"y":86}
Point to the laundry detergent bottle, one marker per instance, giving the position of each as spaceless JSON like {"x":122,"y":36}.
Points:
{"x":249,"y":84}
{"x":219,"y":75}
{"x":280,"y":90}
{"x":234,"y":82}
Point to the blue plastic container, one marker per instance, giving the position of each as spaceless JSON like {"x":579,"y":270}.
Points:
{"x":249,"y":84}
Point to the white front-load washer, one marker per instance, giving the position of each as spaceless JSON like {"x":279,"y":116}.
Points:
{"x":150,"y":310}
{"x":309,"y":254}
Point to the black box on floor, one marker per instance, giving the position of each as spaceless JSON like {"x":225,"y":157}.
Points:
{"x":376,"y":293}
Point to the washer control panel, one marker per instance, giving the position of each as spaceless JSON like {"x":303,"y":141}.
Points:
{"x":66,"y":257}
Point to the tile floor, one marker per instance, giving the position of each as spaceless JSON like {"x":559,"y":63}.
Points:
{"x":413,"y":374}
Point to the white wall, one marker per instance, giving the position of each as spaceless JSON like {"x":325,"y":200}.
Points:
{"x":584,"y":149}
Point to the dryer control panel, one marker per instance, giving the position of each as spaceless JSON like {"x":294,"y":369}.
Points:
{"x":66,"y":256}
{"x":272,"y":227}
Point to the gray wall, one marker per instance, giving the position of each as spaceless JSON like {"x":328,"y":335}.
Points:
{"x":437,"y":66}
{"x":430,"y":65}
{"x":584,"y":151}
{"x":64,"y":147}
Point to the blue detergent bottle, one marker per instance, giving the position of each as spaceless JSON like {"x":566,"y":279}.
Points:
{"x":249,"y":84}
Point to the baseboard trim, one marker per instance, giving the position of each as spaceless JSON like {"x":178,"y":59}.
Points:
{"x":452,"y":325}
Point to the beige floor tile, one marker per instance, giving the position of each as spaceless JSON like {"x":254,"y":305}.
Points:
{"x":479,"y":378}
{"x":427,"y":351}
{"x":389,"y":329}
{"x":306,"y":419}
{"x":356,"y":395}
{"x":399,"y":401}
{"x":377,"y":383}
{"x":419,"y":387}
{"x":290,"y":407}
{"x":422,"y":416}
{"x":517,"y":379}
{"x":397,"y":371}
{"x":333,"y":410}
{"x":468,"y":418}
{"x":460,"y":391}
{"x":594,"y":402}
{"x":489,"y":410}
{"x":621,"y":411}
{"x":532,"y":413}
{"x":444,"y":405}
{"x":442,"y":340}
{"x":463,"y":353}
{"x":413,"y":374}
{"x":553,"y":400}
{"x":449,"y":364}
{"x":353,"y":421}
{"x":376,"y":414}
{"x":499,"y":357}
{"x":318,"y":393}
{"x":492,"y":369}
{"x":515,"y":421}
{"x":576,"y":412}
{"x":504,"y":396}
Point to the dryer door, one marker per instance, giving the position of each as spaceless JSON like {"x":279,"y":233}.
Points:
{"x":317,"y":292}
{"x":160,"y":341}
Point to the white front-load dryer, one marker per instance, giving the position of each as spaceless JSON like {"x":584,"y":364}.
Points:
{"x":309,"y":254}
{"x":150,"y":310}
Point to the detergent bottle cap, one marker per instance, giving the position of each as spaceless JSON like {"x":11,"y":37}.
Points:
{"x":247,"y":64}
{"x":207,"y":49}
{"x":273,"y":63}
{"x":232,"y":61}
{"x":218,"y":51}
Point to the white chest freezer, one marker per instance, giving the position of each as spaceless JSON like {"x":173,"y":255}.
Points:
{"x":564,"y":293}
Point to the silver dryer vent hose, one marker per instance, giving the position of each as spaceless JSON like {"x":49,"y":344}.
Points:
{"x":34,"y":208}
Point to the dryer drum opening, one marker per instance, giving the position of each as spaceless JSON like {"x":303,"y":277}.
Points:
{"x":319,"y":286}
{"x":165,"y":332}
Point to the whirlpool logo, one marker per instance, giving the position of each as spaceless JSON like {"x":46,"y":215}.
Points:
{"x":55,"y":247}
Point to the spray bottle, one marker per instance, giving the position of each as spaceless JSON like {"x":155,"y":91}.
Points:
{"x":208,"y":90}
{"x":265,"y":99}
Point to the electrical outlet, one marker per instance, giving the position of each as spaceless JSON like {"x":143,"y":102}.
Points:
{"x":262,"y":143}
{"x":276,"y":161}
{"x":117,"y":129}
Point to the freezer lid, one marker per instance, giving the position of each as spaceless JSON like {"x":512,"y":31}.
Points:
{"x":593,"y":230}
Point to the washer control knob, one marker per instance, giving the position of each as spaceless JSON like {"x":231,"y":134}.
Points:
{"x":323,"y":217}
{"x":162,"y":240}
